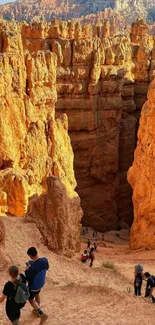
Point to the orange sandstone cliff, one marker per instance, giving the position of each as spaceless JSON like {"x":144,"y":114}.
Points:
{"x":142,"y":178}
{"x":101,"y":83}
{"x":34,"y":145}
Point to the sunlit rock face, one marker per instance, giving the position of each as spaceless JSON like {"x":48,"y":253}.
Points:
{"x":26,"y":10}
{"x":101,"y":83}
{"x":142,"y":178}
{"x":33,"y":144}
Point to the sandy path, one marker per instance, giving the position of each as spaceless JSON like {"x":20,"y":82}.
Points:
{"x":75,"y":293}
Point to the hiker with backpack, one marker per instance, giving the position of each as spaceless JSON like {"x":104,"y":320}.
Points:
{"x":138,"y":279}
{"x":15,"y":293}
{"x":150,"y":284}
{"x":36,"y":275}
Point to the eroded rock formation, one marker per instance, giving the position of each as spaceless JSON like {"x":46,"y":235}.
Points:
{"x":141,"y":177}
{"x":33,"y":144}
{"x":102,"y":87}
{"x":54,"y":214}
{"x":133,"y":9}
{"x":101,"y":82}
{"x":69,"y":9}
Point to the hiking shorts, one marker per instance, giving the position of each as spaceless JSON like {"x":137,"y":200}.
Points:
{"x":12,"y":310}
{"x":33,"y":294}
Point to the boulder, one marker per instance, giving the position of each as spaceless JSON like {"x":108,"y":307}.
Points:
{"x":57,"y":216}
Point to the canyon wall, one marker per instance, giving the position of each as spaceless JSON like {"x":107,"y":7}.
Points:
{"x":101,"y":83}
{"x":142,"y":177}
{"x":34,"y":145}
{"x":46,"y":10}
{"x":102,"y":86}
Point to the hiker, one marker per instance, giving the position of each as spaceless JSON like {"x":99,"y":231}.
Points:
{"x":138,"y":279}
{"x":149,"y":285}
{"x":36,"y":275}
{"x":95,"y":247}
{"x":9,"y":293}
{"x":95,"y":234}
{"x":84,"y":256}
{"x":88,"y":244}
{"x":91,"y":256}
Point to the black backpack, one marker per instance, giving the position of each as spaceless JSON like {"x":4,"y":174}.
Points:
{"x":152,"y":277}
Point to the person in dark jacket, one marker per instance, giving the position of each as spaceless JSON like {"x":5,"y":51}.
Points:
{"x":88,"y":244}
{"x":91,"y":256}
{"x":95,"y":247}
{"x":138,"y":283}
{"x":12,"y":308}
{"x":150,"y":284}
{"x":36,"y":275}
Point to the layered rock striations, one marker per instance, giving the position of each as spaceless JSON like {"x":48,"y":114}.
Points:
{"x":91,"y":95}
{"x":102,"y":86}
{"x":68,"y":9}
{"x":33,"y":144}
{"x":141,"y":177}
{"x":118,"y":24}
{"x":101,"y":83}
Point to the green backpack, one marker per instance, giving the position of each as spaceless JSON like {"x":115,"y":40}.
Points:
{"x":22,"y":293}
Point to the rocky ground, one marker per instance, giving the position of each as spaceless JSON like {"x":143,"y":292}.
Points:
{"x":75,"y":293}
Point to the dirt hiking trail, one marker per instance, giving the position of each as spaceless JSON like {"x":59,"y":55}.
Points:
{"x":75,"y":294}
